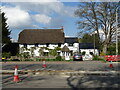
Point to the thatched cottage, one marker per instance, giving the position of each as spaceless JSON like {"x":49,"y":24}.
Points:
{"x":46,"y":39}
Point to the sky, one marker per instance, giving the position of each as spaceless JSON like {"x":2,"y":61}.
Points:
{"x":39,"y":15}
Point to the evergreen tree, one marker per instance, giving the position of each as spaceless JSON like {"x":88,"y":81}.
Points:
{"x":5,"y":30}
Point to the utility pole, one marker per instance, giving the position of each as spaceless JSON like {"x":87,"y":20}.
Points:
{"x":117,"y":30}
{"x":94,"y":43}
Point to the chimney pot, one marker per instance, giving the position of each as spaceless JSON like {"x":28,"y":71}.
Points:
{"x":62,"y":27}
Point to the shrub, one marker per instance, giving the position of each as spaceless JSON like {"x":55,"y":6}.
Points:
{"x":97,"y":58}
{"x":18,"y":55}
{"x":58,"y":58}
{"x":50,"y":59}
{"x":53,"y":52}
{"x":83,"y":53}
{"x":26,"y":54}
{"x":6,"y":54}
{"x":102,"y":54}
{"x":15,"y":60}
{"x":37,"y":59}
{"x":28,"y":60}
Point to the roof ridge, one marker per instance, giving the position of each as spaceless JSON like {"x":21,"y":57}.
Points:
{"x":42,"y":29}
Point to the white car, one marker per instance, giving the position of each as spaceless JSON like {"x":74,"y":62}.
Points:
{"x":87,"y":57}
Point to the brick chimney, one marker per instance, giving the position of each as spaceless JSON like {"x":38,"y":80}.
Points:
{"x":62,"y":28}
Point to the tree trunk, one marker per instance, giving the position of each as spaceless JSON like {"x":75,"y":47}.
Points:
{"x":105,"y":48}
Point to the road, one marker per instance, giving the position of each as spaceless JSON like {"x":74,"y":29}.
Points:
{"x":77,"y":66}
{"x":56,"y":81}
{"x":62,"y":81}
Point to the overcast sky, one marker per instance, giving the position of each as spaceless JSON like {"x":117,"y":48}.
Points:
{"x":39,"y":15}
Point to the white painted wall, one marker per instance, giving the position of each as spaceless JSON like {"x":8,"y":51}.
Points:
{"x":73,"y":48}
{"x":90,"y":50}
{"x":88,"y":56}
{"x":36,"y":52}
{"x":52,"y":46}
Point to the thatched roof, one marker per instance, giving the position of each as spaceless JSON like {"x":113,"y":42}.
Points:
{"x":42,"y":36}
{"x":65,"y":49}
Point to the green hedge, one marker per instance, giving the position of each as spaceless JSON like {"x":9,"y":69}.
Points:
{"x":39,"y":59}
{"x":6,"y":54}
{"x":97,"y":58}
{"x":59,"y":58}
{"x":28,"y":60}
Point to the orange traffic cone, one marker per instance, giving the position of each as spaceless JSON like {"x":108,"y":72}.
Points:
{"x":44,"y":64}
{"x":111,"y":65}
{"x":16,"y":77}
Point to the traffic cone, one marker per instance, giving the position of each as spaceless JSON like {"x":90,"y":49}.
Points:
{"x":44,"y":64}
{"x":16,"y":77}
{"x":111,"y":65}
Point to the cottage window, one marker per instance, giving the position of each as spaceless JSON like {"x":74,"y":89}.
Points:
{"x":45,"y":54}
{"x":25,"y":45}
{"x":36,"y":45}
{"x":47,"y":44}
{"x":59,"y":44}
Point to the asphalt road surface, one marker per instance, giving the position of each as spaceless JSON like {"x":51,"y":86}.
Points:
{"x":61,"y":81}
{"x":73,"y":65}
{"x":56,"y":81}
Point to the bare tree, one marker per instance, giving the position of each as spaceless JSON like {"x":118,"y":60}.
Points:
{"x":99,"y":17}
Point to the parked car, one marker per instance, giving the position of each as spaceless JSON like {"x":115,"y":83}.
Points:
{"x":3,"y":59}
{"x":77,"y":57}
{"x":87,"y":57}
